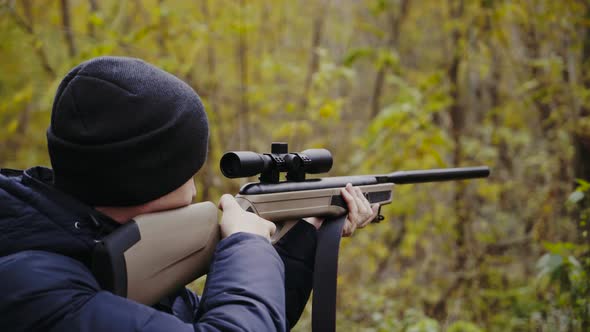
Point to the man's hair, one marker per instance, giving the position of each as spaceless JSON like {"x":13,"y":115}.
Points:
{"x":124,"y":132}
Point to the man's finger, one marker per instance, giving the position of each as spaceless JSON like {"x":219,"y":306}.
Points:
{"x":350,"y":201}
{"x":375,"y":210}
{"x":358,"y":195}
{"x":362,"y":202}
{"x":346,"y":228}
{"x":227,"y":201}
{"x":365,"y":200}
{"x":272,"y":227}
{"x":352,"y":227}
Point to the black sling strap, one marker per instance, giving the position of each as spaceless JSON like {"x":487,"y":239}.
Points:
{"x":323,"y":308}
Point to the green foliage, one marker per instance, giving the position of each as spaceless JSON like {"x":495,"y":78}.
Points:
{"x":462,"y":326}
{"x":565,"y":270}
{"x":424,"y":325}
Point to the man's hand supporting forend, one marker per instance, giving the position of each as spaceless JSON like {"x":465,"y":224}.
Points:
{"x":360,"y":211}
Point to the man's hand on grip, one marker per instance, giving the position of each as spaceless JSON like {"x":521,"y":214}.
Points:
{"x":235,"y":220}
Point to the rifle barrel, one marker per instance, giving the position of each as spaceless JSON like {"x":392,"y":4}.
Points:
{"x":441,"y":174}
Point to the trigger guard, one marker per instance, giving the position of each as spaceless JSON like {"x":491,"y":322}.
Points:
{"x":246,"y":205}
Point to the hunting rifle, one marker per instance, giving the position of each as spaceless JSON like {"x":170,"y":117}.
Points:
{"x":156,"y":253}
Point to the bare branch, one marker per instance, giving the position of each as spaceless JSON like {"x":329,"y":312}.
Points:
{"x":27,"y":26}
{"x":314,"y":60}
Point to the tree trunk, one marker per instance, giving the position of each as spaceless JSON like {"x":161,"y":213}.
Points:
{"x":456,"y":112}
{"x":392,"y":44}
{"x":67,"y":27}
{"x":314,"y":57}
{"x":93,"y":11}
{"x":162,"y":31}
{"x":581,"y":141}
{"x":13,"y":143}
{"x":242,"y":54}
{"x":392,"y":247}
{"x":580,"y":138}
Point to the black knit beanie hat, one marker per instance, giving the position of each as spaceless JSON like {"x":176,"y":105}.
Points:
{"x":124,"y":132}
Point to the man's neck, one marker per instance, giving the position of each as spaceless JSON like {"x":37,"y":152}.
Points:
{"x":121,"y":214}
{"x":180,"y":197}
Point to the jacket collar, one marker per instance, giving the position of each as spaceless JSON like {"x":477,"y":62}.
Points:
{"x":41,"y":179}
{"x":36,"y":216}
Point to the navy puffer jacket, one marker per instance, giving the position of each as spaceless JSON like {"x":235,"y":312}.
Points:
{"x":46,"y":240}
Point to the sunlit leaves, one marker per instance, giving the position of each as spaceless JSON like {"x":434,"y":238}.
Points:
{"x":96,"y":19}
{"x":355,"y":55}
{"x":463,"y":326}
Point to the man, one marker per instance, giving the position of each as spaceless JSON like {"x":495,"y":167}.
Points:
{"x":126,"y":138}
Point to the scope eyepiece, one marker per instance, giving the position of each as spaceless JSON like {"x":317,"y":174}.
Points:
{"x":236,"y":164}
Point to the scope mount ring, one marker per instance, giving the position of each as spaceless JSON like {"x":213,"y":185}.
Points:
{"x":272,"y":175}
{"x":297,"y":174}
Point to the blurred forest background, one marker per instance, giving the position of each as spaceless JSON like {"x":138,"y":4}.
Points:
{"x":385,"y":85}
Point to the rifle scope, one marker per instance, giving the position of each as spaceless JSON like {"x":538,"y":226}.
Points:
{"x":236,"y":164}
